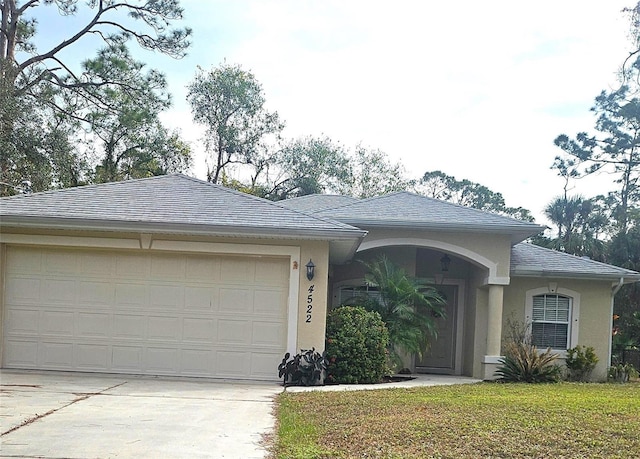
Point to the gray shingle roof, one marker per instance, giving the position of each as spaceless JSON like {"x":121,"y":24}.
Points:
{"x":173,"y":202}
{"x":317,"y":202}
{"x":408,"y":210}
{"x":528,"y":260}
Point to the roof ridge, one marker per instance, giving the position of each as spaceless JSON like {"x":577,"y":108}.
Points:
{"x":310,"y":214}
{"x":440,"y":202}
{"x":454,"y":204}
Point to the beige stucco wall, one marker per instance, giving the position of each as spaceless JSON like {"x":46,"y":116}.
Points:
{"x":481,"y":249}
{"x":309,"y":334}
{"x":594,"y":321}
{"x":477,"y":328}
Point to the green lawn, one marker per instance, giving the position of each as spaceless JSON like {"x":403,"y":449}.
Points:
{"x":480,"y":420}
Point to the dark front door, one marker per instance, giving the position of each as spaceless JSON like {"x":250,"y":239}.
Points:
{"x":441,"y":355}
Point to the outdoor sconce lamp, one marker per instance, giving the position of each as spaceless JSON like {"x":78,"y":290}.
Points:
{"x":445,"y":261}
{"x":311,"y":269}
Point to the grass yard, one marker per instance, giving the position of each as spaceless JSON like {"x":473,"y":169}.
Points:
{"x":464,"y":421}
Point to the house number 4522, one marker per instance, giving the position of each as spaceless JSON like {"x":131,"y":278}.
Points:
{"x":309,"y":304}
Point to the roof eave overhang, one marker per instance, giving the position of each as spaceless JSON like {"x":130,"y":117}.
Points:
{"x":518,"y":232}
{"x":334,"y":234}
{"x":627,"y":278}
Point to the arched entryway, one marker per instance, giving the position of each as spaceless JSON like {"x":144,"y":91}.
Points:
{"x":452,"y":351}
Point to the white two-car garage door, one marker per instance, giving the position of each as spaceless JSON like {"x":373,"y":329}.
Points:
{"x":144,"y":313}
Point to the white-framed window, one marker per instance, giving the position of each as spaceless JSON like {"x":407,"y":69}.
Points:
{"x":349,"y":292}
{"x":553,"y":315}
{"x":550,"y":321}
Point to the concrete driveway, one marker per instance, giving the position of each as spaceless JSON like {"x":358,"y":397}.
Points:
{"x":55,"y":415}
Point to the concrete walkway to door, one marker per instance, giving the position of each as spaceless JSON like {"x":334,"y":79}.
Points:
{"x":71,"y":415}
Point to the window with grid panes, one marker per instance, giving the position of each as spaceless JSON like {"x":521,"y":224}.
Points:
{"x":551,"y":318}
{"x":350,"y":292}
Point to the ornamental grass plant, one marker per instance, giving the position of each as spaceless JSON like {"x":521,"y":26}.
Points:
{"x":523,"y":361}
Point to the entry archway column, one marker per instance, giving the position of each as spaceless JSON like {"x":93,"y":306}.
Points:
{"x":494,"y":331}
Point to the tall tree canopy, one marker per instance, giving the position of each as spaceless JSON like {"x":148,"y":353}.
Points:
{"x":438,"y":185}
{"x":229,"y":102}
{"x":310,"y":165}
{"x":581,"y":226}
{"x":614,"y":148}
{"x":45,"y":99}
{"x":131,"y":142}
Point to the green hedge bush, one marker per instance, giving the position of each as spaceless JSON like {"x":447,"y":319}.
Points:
{"x":356,"y":346}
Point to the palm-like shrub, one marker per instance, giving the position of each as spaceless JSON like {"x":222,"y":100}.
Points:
{"x":523,"y":362}
{"x":407,"y":306}
{"x":580,"y":363}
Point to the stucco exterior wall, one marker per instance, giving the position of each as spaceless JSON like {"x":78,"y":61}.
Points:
{"x":481,"y":249}
{"x":478,"y":310}
{"x":594,"y":316}
{"x":312,"y":322}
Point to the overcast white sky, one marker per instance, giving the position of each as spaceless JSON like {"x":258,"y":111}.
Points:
{"x":477,"y":89}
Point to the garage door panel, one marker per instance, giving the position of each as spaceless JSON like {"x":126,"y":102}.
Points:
{"x":271,"y":272}
{"x":131,"y":294}
{"x":127,"y":326}
{"x":56,"y":355}
{"x":267,"y":334}
{"x":145,"y":313}
{"x":98,"y":264}
{"x":234,"y":331}
{"x":59,"y":291}
{"x":233,"y":364}
{"x":22,"y":290}
{"x":200,"y":268}
{"x":25,"y":261}
{"x":94,"y":325}
{"x":166,"y":296}
{"x":197,"y":362}
{"x":130,"y":265}
{"x":95,"y":293}
{"x":200,"y":299}
{"x":92,"y":356}
{"x":268,"y":302}
{"x":22,"y":321}
{"x":162,"y":360}
{"x":126,"y":358}
{"x":60,"y":262}
{"x":164,"y":328}
{"x":21,"y":354}
{"x":169,"y":267}
{"x":262,"y":364}
{"x":238,"y":270}
{"x":57,"y":323}
{"x":236,"y":300}
{"x":195,"y":330}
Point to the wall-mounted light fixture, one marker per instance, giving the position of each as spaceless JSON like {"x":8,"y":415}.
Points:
{"x":311,"y":269}
{"x":445,"y":262}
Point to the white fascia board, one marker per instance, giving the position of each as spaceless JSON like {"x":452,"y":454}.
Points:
{"x":175,"y":228}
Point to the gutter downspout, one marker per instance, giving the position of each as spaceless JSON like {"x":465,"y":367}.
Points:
{"x":615,"y":290}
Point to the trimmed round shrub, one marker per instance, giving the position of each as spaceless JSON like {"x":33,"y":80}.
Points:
{"x":356,"y":346}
